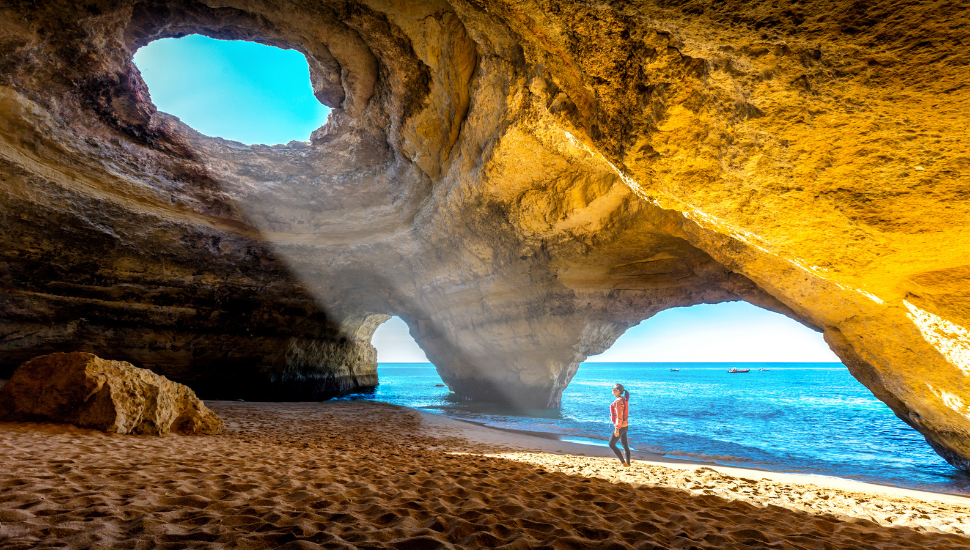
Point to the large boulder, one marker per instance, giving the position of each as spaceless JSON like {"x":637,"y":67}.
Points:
{"x":111,"y":396}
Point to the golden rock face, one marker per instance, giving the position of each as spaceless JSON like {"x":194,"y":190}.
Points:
{"x":111,"y":396}
{"x":521,"y":182}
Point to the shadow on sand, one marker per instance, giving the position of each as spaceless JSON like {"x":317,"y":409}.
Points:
{"x":342,"y":475}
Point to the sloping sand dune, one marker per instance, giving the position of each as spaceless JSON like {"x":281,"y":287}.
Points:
{"x":340,"y":475}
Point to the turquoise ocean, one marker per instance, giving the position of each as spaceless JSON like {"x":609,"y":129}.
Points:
{"x":808,"y":418}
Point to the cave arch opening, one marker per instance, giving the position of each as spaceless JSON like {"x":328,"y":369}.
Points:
{"x":394,"y":343}
{"x":405,"y":375}
{"x":804,"y":413}
{"x":793,"y":407}
{"x":233,"y":89}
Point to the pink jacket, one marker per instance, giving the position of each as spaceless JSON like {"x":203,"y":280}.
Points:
{"x":620,"y":412}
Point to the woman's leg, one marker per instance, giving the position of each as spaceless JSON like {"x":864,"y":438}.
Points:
{"x":613,"y":439}
{"x":626,"y":445}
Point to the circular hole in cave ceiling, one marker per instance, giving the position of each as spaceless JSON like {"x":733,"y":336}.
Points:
{"x":242,"y":91}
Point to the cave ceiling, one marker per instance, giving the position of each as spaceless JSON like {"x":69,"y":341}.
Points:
{"x":520,"y":181}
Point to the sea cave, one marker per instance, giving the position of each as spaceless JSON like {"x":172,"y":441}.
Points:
{"x":520,"y":183}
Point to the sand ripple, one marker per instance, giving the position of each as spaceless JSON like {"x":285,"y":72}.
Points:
{"x":363,"y":475}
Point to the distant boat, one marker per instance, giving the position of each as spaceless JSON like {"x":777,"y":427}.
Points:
{"x":764,"y":369}
{"x":439,"y":385}
{"x":674,"y":370}
{"x":734,"y":370}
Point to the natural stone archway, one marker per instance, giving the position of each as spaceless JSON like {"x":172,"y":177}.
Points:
{"x":520,"y":182}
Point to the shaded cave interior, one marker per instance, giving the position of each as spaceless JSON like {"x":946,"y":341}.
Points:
{"x":299,"y":348}
{"x":459,"y":183}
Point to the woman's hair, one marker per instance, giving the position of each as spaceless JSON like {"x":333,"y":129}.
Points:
{"x":623,"y":392}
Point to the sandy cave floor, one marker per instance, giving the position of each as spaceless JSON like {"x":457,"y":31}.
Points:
{"x":368,"y":475}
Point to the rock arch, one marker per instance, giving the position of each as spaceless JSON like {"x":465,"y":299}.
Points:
{"x":520,"y":183}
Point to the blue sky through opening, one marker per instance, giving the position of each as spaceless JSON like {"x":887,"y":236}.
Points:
{"x":726,"y":332}
{"x":235,"y":90}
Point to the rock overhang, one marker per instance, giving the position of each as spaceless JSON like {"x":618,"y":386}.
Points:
{"x":519,"y":184}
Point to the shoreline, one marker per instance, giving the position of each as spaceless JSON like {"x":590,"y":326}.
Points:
{"x":661,"y":459}
{"x":554,"y":444}
{"x":658,"y":459}
{"x":342,"y":474}
{"x":603,"y":451}
{"x":664,"y":459}
{"x":793,"y":420}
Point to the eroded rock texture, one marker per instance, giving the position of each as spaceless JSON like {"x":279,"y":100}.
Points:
{"x":520,"y":181}
{"x":111,"y":396}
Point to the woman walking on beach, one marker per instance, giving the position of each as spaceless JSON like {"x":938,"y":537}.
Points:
{"x":620,"y":413}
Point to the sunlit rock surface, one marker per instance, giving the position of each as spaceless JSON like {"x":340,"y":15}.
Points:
{"x":111,"y":396}
{"x":521,"y":182}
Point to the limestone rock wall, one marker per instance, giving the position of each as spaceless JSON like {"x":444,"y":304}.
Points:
{"x":166,"y":295}
{"x":520,"y":181}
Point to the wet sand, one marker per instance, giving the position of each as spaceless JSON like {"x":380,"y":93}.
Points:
{"x":369,"y":475}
